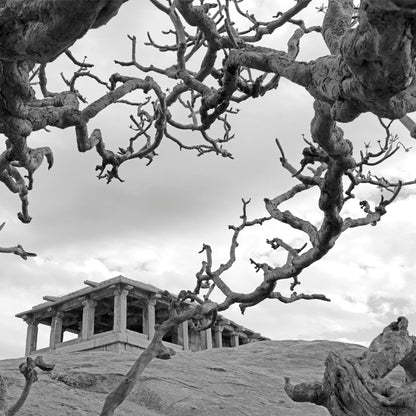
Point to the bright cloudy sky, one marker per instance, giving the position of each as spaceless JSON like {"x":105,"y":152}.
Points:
{"x":151,"y":227}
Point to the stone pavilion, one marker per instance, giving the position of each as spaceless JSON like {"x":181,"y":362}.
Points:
{"x":120,"y":314}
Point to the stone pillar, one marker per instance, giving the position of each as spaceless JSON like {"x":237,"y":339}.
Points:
{"x":145,"y":322}
{"x":120,"y":309}
{"x":179,"y":337}
{"x":208,"y":336}
{"x":185,"y":335}
{"x":56,"y":330}
{"x":31,"y":336}
{"x":88,"y":315}
{"x":151,"y":317}
{"x":218,"y":336}
{"x":235,"y":340}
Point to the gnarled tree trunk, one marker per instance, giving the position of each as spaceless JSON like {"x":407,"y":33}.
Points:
{"x":356,"y":386}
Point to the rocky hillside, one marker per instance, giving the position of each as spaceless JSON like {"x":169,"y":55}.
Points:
{"x":246,"y":381}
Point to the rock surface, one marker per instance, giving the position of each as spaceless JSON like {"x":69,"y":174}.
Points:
{"x":243,"y":381}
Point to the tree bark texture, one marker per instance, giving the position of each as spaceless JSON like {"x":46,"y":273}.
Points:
{"x":38,"y":31}
{"x":358,"y":386}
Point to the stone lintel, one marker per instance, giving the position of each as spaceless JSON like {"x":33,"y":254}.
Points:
{"x":91,"y":283}
{"x":51,"y":298}
{"x":62,"y":306}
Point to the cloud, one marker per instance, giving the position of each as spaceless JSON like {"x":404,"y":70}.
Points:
{"x":390,"y":306}
{"x":353,"y":341}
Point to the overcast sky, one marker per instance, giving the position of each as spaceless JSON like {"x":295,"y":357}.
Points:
{"x":151,"y":227}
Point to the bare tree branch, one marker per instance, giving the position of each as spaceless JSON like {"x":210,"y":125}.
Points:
{"x":28,"y":369}
{"x":18,"y":250}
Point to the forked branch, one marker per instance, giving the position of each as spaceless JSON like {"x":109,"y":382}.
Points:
{"x":28,"y":369}
{"x":17,"y":250}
